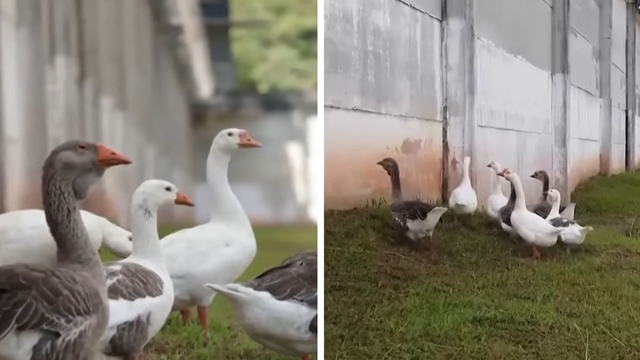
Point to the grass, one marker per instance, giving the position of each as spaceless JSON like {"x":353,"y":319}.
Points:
{"x":226,"y":340}
{"x":477,"y":295}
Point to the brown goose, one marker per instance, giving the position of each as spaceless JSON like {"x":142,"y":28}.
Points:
{"x":543,"y":207}
{"x":59,"y":312}
{"x":279,"y":308}
{"x":414,"y":220}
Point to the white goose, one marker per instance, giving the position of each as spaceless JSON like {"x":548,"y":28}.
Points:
{"x":25,"y":237}
{"x":139,"y":288}
{"x":279,"y":308}
{"x":463,"y":199}
{"x":219,"y":251}
{"x":572,"y":233}
{"x":497,"y":199}
{"x":532,"y":228}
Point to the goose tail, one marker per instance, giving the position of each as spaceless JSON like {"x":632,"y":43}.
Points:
{"x":434,"y":216}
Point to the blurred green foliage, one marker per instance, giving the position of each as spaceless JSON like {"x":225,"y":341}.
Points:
{"x":281,"y":53}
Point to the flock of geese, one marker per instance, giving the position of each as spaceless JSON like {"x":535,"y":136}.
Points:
{"x":539,"y":226}
{"x":58,"y":301}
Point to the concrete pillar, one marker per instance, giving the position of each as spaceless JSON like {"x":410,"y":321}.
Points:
{"x":605,"y":86}
{"x":459,"y":127}
{"x":560,"y":102}
{"x":630,"y":49}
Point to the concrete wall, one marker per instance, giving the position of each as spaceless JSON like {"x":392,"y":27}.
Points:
{"x":383,"y":97}
{"x":96,"y":70}
{"x":532,"y":84}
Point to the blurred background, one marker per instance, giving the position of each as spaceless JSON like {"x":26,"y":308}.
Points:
{"x":157,"y":80}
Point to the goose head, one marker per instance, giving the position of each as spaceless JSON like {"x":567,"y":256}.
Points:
{"x":495,"y":166}
{"x":540,"y":175}
{"x":156,"y":193}
{"x":82,"y":163}
{"x":554,"y":196}
{"x":389,"y":165}
{"x":508,"y":174}
{"x":229,"y":140}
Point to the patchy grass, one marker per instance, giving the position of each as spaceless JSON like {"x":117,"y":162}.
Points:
{"x":226,"y":340}
{"x":477,"y":295}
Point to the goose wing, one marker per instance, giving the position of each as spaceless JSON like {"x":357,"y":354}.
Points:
{"x":131,"y":289}
{"x":58,"y":303}
{"x":410,"y":210}
{"x":296,"y":278}
{"x":561,"y":222}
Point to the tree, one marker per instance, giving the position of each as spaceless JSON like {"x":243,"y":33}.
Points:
{"x":281,"y":53}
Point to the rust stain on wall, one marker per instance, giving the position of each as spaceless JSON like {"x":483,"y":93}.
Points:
{"x":582,"y":169}
{"x":352,"y":180}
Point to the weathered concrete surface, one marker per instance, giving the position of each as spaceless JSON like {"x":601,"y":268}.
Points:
{"x":383,"y":97}
{"x":520,"y":27}
{"x":355,"y":141}
{"x":373,"y":64}
{"x":102,"y":71}
{"x":584,"y":145}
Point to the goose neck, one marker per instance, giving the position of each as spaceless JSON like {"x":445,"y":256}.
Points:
{"x":65,"y":224}
{"x":396,"y":187}
{"x":144,"y":231}
{"x":225,"y":206}
{"x":555,"y":208}
{"x":497,"y":189}
{"x":465,"y":174}
{"x":545,"y":186}
{"x":520,"y":199}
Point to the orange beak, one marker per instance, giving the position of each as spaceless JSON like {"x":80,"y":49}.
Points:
{"x":108,"y":157}
{"x":247,"y":142}
{"x":501,"y":173}
{"x":182,"y":199}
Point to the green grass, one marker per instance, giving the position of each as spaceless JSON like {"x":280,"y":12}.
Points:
{"x":226,"y":340}
{"x":477,"y":295}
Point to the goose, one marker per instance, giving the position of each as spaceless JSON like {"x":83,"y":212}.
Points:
{"x":497,"y":199}
{"x":572,"y":233}
{"x":532,"y":228}
{"x":25,"y":237}
{"x":219,"y":251}
{"x":414,"y":220}
{"x":61,"y":311}
{"x":543,"y":206}
{"x":505,"y":212}
{"x":139,"y":288}
{"x":463,"y":199}
{"x":279,"y":308}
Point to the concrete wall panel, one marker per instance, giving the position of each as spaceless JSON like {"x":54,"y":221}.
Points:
{"x":373,"y":64}
{"x":584,"y":60}
{"x":585,"y":19}
{"x":584,"y":112}
{"x":526,"y":33}
{"x":431,"y":7}
{"x":618,"y":88}
{"x":510,"y":92}
{"x":618,"y":32}
{"x":351,"y":174}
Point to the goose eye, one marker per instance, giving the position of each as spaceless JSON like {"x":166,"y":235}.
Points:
{"x":229,"y":134}
{"x":168,"y":188}
{"x":82,"y":146}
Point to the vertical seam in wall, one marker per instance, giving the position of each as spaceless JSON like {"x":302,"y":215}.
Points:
{"x":470,"y":79}
{"x":630,"y":74}
{"x":605,"y":86}
{"x":444,"y":186}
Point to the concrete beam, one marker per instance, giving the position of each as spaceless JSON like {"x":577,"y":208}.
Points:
{"x":630,"y":121}
{"x":459,"y":127}
{"x":560,"y":102}
{"x":605,"y":86}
